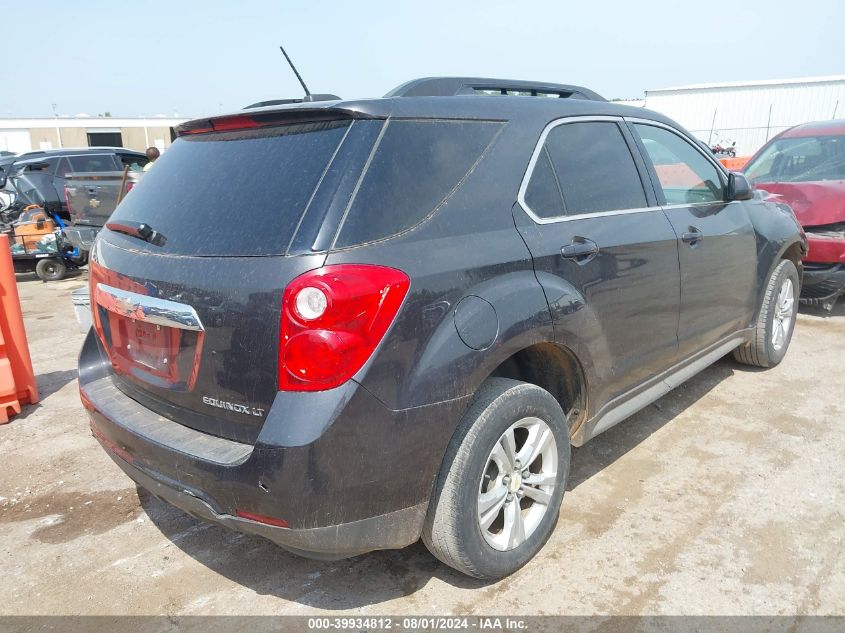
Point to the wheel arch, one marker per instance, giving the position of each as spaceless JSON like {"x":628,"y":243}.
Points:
{"x":554,"y":368}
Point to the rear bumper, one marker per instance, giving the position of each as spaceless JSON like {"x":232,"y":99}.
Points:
{"x":391,"y":531}
{"x":347,"y":474}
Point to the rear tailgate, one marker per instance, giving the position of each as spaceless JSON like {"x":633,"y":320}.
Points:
{"x":92,"y":197}
{"x":190,"y":320}
{"x":194,"y":339}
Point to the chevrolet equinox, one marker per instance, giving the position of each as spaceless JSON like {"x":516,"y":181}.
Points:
{"x":348,"y":325}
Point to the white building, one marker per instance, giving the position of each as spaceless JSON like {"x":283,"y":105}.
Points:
{"x":26,"y":134}
{"x":750,"y":112}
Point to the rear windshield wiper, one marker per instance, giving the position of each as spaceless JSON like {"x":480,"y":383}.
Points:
{"x":140,"y":230}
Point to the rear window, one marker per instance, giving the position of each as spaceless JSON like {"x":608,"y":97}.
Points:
{"x":234,"y":193}
{"x":415,"y":168}
{"x":92,"y":162}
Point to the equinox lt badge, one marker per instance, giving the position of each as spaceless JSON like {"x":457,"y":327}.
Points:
{"x":231,"y":406}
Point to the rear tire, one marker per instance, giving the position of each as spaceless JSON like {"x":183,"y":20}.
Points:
{"x":776,"y":321}
{"x":490,"y":512}
{"x":50,"y":269}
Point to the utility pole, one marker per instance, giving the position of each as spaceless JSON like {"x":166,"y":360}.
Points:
{"x":58,"y":131}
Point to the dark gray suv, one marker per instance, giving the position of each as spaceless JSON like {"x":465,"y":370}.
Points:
{"x":347,"y":325}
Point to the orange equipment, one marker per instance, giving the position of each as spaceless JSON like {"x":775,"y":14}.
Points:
{"x":734,"y":163}
{"x":17,"y":380}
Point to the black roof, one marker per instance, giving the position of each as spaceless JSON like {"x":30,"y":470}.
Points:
{"x":458,"y":98}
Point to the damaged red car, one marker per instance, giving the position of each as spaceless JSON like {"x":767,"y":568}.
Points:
{"x":805,"y":167}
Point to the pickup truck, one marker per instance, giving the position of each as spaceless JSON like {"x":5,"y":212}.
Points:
{"x":91,"y":197}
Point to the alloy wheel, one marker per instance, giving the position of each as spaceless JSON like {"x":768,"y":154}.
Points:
{"x":517,"y":484}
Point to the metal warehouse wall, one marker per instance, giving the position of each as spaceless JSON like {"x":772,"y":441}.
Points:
{"x":750,"y":113}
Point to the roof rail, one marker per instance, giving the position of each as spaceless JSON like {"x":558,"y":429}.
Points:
{"x":454,"y":86}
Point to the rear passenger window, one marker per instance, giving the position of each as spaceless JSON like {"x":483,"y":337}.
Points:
{"x":685,"y":175}
{"x":584,"y":167}
{"x":415,"y":168}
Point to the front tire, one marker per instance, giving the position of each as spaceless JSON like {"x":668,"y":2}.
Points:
{"x":776,"y":321}
{"x":498,"y":494}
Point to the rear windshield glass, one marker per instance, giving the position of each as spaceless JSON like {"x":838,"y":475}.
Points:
{"x":415,"y":167}
{"x":92,"y":162}
{"x":802,"y":159}
{"x":235,"y":193}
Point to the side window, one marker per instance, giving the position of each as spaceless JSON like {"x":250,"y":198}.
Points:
{"x":685,"y":176}
{"x":135,"y":163}
{"x":584,"y":167}
{"x":63,"y":169}
{"x":92,"y":162}
{"x":415,"y":168}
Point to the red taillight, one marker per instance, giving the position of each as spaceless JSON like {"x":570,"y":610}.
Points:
{"x":260,"y":518}
{"x":332,"y":320}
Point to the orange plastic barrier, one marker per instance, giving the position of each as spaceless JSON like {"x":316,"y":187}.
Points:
{"x":734,"y":163}
{"x":17,"y":380}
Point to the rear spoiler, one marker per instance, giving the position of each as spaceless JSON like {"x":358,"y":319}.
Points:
{"x":258,"y":119}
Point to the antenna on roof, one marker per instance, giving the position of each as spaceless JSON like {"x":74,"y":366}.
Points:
{"x":296,"y":72}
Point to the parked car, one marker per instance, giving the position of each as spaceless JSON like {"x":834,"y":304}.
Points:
{"x":392,"y":317}
{"x":90,"y":198}
{"x":805,"y":167}
{"x":45,"y":171}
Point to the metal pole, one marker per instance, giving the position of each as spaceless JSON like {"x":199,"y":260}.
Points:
{"x":712,"y":127}
{"x":58,"y":131}
{"x":768,"y":123}
{"x":835,"y":108}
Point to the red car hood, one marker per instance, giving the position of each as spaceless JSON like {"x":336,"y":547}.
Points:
{"x":814,"y":203}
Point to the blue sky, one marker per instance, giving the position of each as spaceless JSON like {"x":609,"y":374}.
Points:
{"x":197,"y":58}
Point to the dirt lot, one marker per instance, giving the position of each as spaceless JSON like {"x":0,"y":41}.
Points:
{"x":725,"y":497}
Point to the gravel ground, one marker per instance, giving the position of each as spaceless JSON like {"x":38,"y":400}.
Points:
{"x":725,"y":497}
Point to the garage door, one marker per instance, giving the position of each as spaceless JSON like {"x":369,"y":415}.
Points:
{"x":17,"y":141}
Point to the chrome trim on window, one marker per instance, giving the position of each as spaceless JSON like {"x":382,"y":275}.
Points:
{"x":148,"y":309}
{"x":529,"y":171}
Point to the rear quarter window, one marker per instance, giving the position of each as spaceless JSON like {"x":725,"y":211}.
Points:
{"x":414,"y":169}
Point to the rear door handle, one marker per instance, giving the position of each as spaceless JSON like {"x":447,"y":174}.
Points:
{"x":580,"y":249}
{"x":692,"y":236}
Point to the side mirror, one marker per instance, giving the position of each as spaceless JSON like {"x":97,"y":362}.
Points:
{"x":738,"y":187}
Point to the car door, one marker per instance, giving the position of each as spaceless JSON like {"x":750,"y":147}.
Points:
{"x":605,"y":253}
{"x":716,"y":240}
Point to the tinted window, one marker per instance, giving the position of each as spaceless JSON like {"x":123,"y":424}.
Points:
{"x":416,"y":166}
{"x":135,"y":163}
{"x":543,"y":194}
{"x":594,"y":168}
{"x":233,"y":193}
{"x":685,"y":176}
{"x":801,"y":159}
{"x":92,"y":162}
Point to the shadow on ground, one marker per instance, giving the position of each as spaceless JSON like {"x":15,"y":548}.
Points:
{"x":383,"y":576}
{"x":52,"y":381}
